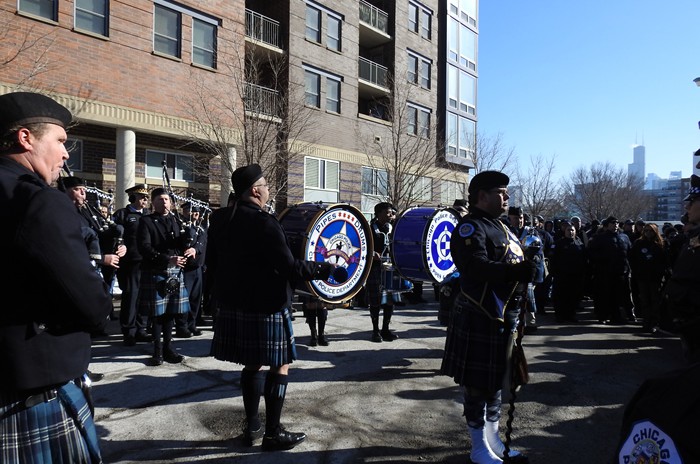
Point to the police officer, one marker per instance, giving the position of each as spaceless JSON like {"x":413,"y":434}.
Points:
{"x":491,"y":264}
{"x":659,"y":423}
{"x":132,"y":323}
{"x":59,"y":299}
{"x":254,"y":272}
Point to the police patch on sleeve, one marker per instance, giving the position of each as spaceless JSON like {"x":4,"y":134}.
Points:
{"x":466,"y":230}
{"x":647,"y":443}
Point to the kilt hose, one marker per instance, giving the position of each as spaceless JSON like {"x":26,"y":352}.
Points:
{"x":251,"y":338}
{"x":153,"y":300}
{"x":476,"y":347}
{"x":58,"y":430}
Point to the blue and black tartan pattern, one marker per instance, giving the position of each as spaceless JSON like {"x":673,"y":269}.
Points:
{"x":58,"y":431}
{"x":155,"y":301}
{"x":250,"y":338}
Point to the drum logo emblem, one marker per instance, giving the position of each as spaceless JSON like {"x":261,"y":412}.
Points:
{"x":338,"y":237}
{"x":437,"y":244}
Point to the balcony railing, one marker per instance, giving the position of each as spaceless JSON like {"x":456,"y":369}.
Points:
{"x":260,"y":100}
{"x":373,"y":72}
{"x":373,"y":16}
{"x":262,"y":28}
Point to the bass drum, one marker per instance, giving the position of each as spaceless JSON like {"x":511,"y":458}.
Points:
{"x":335,"y":233}
{"x":420,"y":249}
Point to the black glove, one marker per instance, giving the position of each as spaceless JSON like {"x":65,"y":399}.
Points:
{"x":524,"y":271}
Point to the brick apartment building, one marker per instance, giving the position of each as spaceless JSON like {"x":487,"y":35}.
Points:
{"x":334,"y":99}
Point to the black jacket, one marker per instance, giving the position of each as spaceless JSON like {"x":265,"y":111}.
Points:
{"x":253,"y":267}
{"x":57,"y":298}
{"x":158,"y":238}
{"x":129,"y":219}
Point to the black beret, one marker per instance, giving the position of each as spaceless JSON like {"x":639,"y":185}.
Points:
{"x":158,"y":191}
{"x":609,"y":220}
{"x":244,"y":177}
{"x":138,"y":188}
{"x":22,"y":108}
{"x":694,"y":191}
{"x":487,"y":180}
{"x":460,"y":202}
{"x":515,"y":211}
{"x":70,"y":182}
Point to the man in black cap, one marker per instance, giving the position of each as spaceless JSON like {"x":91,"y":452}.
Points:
{"x":664,"y":411}
{"x":379,"y":297}
{"x":608,"y":252}
{"x":132,"y":323}
{"x":186,"y":324}
{"x":45,"y":334}
{"x":254,"y":269}
{"x":517,"y":225}
{"x":483,"y":321}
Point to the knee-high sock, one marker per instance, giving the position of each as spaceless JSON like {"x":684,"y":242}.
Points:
{"x":275,"y":391}
{"x":167,"y":321}
{"x":157,"y":331}
{"x":252,"y":383}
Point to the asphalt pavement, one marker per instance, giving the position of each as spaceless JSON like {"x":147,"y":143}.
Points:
{"x":365,"y":402}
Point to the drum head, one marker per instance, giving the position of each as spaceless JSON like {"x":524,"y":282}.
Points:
{"x":337,"y":234}
{"x":437,"y":244}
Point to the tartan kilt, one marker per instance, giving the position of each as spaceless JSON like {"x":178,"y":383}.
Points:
{"x":251,"y":338}
{"x":374,"y":285}
{"x":61,"y":430}
{"x":476,"y":348}
{"x":155,"y":301}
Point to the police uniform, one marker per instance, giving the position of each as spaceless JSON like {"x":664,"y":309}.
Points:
{"x":59,"y":300}
{"x":659,"y":422}
{"x":132,"y":323}
{"x":491,"y":263}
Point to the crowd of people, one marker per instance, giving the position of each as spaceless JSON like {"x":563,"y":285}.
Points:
{"x":508,"y":271}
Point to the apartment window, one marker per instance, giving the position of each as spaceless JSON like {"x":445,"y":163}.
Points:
{"x":467,"y":93}
{"x":419,"y":70}
{"x":466,"y":137}
{"x":47,"y":9}
{"x":313,"y":24}
{"x":465,"y":10}
{"x":332,"y":95}
{"x":313,"y":79}
{"x":418,"y":120}
{"x":74,"y":147}
{"x":203,"y":43}
{"x":167,"y":32}
{"x":420,"y":19}
{"x":461,"y":44}
{"x":179,"y":165}
{"x":92,"y":16}
{"x":312,"y":89}
{"x":375,"y":182}
{"x":452,"y":191}
{"x":334,"y":33}
{"x":452,"y":132}
{"x":421,"y":188}
{"x":321,"y":180}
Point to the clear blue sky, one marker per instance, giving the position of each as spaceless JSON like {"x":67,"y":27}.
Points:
{"x":585,"y":80}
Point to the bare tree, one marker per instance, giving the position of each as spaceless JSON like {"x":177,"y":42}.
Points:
{"x":540,"y":193}
{"x":489,"y":152}
{"x":405,"y":149}
{"x":603,"y":190}
{"x":262,"y":115}
{"x":25,"y":50}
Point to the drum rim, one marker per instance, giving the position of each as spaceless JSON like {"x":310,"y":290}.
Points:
{"x":324,"y":207}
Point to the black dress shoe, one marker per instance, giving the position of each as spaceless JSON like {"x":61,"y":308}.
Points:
{"x":196,"y":332}
{"x":172,"y":356}
{"x":183,"y":333}
{"x":322,"y":340}
{"x":388,"y":335}
{"x":94,"y":376}
{"x":313,"y":341}
{"x":250,"y":436}
{"x":142,"y":337}
{"x":282,"y":440}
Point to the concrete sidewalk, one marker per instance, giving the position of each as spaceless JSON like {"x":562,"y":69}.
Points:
{"x":364,"y":402}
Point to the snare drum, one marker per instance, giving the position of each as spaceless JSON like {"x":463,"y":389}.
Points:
{"x":420,"y":248}
{"x":393,"y":284}
{"x":334,"y":233}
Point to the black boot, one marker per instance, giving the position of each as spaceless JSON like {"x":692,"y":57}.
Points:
{"x":172,"y":356}
{"x":322,"y":340}
{"x":157,"y":358}
{"x":386,"y":334}
{"x":374,"y":314}
{"x":313,"y":341}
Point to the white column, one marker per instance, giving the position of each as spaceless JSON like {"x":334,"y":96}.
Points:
{"x":126,"y":165}
{"x":227,"y":167}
